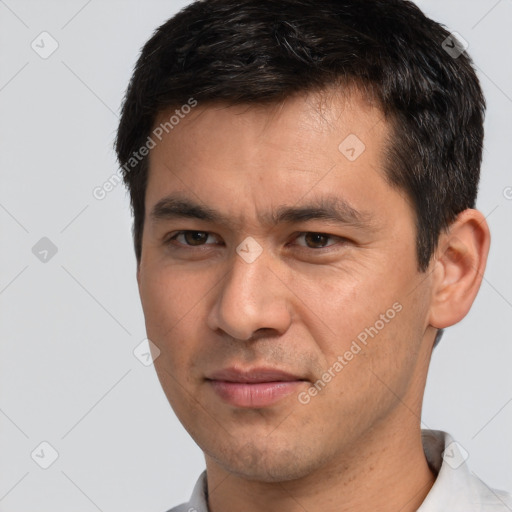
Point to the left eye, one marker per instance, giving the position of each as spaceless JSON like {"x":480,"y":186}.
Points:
{"x":312,"y":239}
{"x":318,"y":240}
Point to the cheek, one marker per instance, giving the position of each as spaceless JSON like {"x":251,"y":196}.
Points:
{"x":338,"y":306}
{"x":335,"y":309}
{"x":171,"y":299}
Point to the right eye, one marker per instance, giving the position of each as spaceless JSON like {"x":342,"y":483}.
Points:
{"x":190,"y":238}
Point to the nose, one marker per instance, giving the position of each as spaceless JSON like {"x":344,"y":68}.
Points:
{"x":250,"y":298}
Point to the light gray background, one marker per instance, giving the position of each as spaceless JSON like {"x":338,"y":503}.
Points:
{"x":69,"y":326}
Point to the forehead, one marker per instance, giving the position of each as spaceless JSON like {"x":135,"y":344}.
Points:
{"x":330,"y":109}
{"x":308,"y":145}
{"x":307,"y":127}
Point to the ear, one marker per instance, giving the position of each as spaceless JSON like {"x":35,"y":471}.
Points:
{"x":459,"y":268}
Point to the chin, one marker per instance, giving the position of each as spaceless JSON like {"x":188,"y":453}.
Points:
{"x":268,"y":463}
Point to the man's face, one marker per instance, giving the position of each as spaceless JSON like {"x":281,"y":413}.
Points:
{"x":339,"y":303}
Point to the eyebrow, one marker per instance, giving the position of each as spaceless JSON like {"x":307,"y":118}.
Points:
{"x":330,"y":208}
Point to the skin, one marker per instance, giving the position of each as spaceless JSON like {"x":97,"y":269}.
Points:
{"x":357,"y":444}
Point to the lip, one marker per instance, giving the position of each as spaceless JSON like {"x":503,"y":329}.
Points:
{"x":254,"y":375}
{"x":255,"y":388}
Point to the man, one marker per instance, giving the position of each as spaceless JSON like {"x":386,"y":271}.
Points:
{"x":303,"y":177}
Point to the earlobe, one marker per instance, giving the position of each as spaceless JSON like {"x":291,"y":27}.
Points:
{"x":459,"y":267}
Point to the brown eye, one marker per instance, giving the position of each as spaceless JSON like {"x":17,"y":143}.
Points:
{"x":195,"y":237}
{"x":191,"y":238}
{"x":316,"y":240}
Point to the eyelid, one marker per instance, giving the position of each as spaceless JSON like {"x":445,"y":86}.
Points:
{"x":296,"y":235}
{"x":169,"y":239}
{"x":328,"y":235}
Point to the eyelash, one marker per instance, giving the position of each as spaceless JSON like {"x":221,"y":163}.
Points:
{"x":302,"y":233}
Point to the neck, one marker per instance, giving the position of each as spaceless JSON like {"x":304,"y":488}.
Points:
{"x":386,"y":472}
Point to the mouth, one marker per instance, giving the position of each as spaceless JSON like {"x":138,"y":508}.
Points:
{"x":255,"y":388}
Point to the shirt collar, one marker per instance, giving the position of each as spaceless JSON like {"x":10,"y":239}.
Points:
{"x":456,"y":488}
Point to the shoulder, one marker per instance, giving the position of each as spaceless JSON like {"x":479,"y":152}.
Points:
{"x":457,"y":488}
{"x":494,"y":500}
{"x":198,"y":499}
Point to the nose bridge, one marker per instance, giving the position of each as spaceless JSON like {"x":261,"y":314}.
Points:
{"x":250,"y":297}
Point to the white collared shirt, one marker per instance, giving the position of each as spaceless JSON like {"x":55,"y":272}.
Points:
{"x":456,"y":488}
